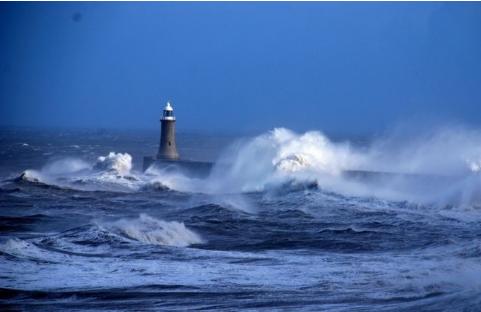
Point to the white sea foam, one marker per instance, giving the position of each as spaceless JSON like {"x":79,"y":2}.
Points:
{"x":25,"y":249}
{"x":117,"y":162}
{"x":111,"y":172}
{"x":149,"y":230}
{"x":383,"y":276}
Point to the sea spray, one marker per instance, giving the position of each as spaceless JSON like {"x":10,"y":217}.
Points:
{"x":111,"y":172}
{"x":115,"y":162}
{"x":439,"y":166}
{"x":65,"y":166}
{"x":452,"y":150}
{"x":277,"y":157}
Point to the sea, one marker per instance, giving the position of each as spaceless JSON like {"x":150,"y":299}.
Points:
{"x":285,"y":221}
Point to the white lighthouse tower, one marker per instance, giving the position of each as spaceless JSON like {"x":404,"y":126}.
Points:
{"x":167,"y":147}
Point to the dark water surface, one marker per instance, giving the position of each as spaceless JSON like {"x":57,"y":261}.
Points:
{"x":78,"y":233}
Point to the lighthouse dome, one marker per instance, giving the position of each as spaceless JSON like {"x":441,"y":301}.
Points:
{"x":168,"y":107}
{"x":168,"y":112}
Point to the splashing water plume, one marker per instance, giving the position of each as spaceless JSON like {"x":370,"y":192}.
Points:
{"x":116,"y":162}
{"x":435,"y":167}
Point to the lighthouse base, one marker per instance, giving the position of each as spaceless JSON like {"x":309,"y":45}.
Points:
{"x":187,"y":167}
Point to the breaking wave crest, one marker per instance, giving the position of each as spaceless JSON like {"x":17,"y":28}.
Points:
{"x":108,"y":173}
{"x":281,"y":156}
{"x":149,"y":230}
{"x":98,"y":239}
{"x":116,"y":163}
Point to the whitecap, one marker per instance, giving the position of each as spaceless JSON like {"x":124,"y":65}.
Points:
{"x":152,"y":231}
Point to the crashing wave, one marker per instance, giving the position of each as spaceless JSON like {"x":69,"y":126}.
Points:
{"x":36,"y":178}
{"x":293,"y":163}
{"x":109,"y":173}
{"x":118,"y":163}
{"x":436,"y":168}
{"x":311,"y":150}
{"x":278,"y":157}
{"x":149,"y":230}
{"x":29,"y":176}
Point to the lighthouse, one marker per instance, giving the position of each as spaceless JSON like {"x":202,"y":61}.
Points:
{"x":167,"y":147}
{"x":167,"y":158}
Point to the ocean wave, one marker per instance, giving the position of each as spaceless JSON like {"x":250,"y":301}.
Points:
{"x":109,"y":173}
{"x":20,"y":223}
{"x":440,"y":168}
{"x":152,"y":231}
{"x":118,"y":163}
{"x":101,"y":239}
{"x":37,"y":179}
{"x":24,"y":249}
{"x":32,"y":176}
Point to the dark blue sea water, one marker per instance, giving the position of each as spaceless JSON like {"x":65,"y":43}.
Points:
{"x":276,"y":226}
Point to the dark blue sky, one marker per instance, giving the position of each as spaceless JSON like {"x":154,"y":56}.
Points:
{"x":237,"y":67}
